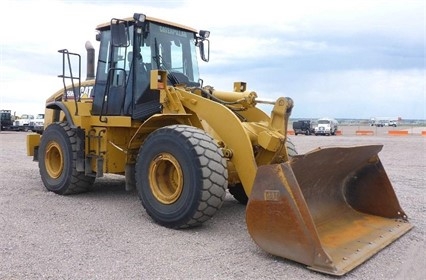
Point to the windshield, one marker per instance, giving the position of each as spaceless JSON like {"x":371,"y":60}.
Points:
{"x":162,"y":47}
{"x":323,"y":122}
{"x":171,"y":49}
{"x":27,"y":117}
{"x":124,"y":66}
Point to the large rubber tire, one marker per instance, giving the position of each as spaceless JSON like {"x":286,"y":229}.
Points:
{"x":237,"y":190}
{"x":181,"y":176}
{"x":57,"y":156}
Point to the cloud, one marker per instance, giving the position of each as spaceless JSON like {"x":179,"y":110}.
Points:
{"x":351,"y":58}
{"x":366,"y":93}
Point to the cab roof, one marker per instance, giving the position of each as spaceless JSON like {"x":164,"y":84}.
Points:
{"x":106,"y":25}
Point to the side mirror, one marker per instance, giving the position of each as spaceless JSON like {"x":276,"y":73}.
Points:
{"x":119,"y":34}
{"x":205,"y":50}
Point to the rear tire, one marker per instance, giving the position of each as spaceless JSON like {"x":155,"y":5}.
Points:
{"x":57,"y":156}
{"x":181,"y":176}
{"x":237,"y":190}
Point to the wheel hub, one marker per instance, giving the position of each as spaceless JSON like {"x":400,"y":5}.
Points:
{"x":54,"y":160}
{"x":166,"y":178}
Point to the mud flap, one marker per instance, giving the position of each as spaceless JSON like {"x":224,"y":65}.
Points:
{"x":330,"y":209}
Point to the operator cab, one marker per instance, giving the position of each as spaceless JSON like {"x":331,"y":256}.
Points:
{"x":129,"y":50}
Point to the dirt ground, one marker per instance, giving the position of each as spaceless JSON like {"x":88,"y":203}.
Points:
{"x":106,"y":234}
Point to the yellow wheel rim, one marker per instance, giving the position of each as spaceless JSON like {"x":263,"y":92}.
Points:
{"x":165,"y":178}
{"x":54,"y":160}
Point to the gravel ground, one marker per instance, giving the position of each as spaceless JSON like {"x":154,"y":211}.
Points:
{"x":106,"y":234}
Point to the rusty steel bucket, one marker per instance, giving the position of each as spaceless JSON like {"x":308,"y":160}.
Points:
{"x":330,"y":209}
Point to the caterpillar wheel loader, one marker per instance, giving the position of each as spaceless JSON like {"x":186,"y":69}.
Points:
{"x":146,"y":114}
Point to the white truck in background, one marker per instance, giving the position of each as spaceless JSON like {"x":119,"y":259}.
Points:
{"x":27,"y":122}
{"x":326,"y":126}
{"x":382,"y":121}
{"x":23,"y":122}
{"x":37,"y":124}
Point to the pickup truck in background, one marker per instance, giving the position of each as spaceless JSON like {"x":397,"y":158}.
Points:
{"x":382,"y":123}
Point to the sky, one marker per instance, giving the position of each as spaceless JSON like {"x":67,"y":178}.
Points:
{"x":342,"y":59}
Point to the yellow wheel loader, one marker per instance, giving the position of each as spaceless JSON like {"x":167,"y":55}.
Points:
{"x":146,"y":114}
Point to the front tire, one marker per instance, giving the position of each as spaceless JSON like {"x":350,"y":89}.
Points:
{"x":57,"y":156}
{"x":181,"y":176}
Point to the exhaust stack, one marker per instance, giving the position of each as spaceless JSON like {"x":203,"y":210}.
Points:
{"x":90,"y":61}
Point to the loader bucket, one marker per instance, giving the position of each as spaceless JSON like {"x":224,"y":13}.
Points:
{"x":330,"y":209}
